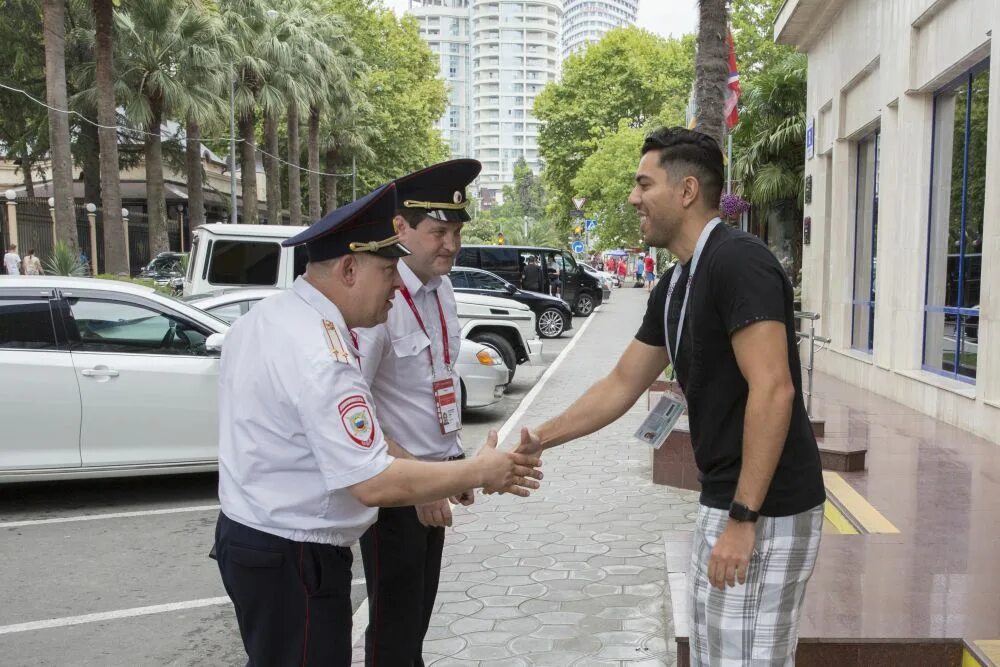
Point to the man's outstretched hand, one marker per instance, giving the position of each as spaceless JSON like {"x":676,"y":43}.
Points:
{"x":530,"y":443}
{"x":508,"y":472}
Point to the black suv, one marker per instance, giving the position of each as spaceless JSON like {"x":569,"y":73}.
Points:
{"x":552,"y":315}
{"x":581,"y":290}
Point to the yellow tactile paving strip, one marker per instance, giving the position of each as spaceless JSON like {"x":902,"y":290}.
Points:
{"x":988,"y":648}
{"x":847,"y":510}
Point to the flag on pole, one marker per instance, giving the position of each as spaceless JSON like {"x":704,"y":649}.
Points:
{"x":733,"y":94}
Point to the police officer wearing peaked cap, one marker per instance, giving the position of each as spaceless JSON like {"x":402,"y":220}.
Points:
{"x":409,"y":364}
{"x":303,"y":463}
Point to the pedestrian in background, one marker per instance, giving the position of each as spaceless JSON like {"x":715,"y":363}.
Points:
{"x":648,"y":267}
{"x":32,"y":265}
{"x":12,"y":261}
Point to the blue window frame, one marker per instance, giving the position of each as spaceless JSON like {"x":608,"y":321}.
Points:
{"x":955,"y":233}
{"x":865,"y":243}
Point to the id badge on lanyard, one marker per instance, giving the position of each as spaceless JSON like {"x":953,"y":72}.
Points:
{"x":443,"y":383}
{"x":661,"y":420}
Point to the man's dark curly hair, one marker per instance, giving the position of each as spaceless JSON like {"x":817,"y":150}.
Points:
{"x":688,"y":153}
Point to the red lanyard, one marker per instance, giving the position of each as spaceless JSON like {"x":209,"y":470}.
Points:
{"x":444,"y":327}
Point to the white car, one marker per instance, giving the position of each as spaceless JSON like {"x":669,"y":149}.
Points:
{"x":102,"y":378}
{"x":481,"y":368}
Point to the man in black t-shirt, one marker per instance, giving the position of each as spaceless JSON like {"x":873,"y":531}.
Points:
{"x":726,"y":321}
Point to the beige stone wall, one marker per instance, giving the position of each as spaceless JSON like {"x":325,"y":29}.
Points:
{"x":877,"y":64}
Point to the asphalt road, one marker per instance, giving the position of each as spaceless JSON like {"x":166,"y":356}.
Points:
{"x":116,"y":572}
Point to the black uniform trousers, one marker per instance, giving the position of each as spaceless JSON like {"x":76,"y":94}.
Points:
{"x":402,"y":559}
{"x":292,"y":599}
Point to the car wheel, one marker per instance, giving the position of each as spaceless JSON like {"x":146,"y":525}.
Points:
{"x":465,"y":400}
{"x":584,"y":305}
{"x":499,"y":344}
{"x":551,"y":323}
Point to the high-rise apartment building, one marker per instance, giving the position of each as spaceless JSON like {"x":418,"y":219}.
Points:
{"x":587,"y":21}
{"x":512,"y":49}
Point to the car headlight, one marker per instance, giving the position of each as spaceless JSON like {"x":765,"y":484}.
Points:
{"x":488,"y":357}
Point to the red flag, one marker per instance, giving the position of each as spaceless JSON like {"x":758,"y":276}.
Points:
{"x":733,"y":95}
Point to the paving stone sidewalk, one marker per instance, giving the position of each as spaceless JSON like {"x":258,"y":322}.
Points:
{"x":573,"y":575}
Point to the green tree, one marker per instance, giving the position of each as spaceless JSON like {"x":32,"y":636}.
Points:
{"x":629,"y":75}
{"x":712,"y":69}
{"x":403,"y":91}
{"x":521,"y":216}
{"x":54,"y":21}
{"x":753,"y":37}
{"x":606,"y":179}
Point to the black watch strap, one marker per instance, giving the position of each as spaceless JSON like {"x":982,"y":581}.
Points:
{"x":740,"y":512}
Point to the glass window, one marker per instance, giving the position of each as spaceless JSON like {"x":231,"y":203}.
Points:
{"x":244,"y":263}
{"x":114,"y":326}
{"x":230,"y":312}
{"x":954,"y":251}
{"x":299,"y":260}
{"x":499,"y":260}
{"x":26,"y":324}
{"x":459,"y":279}
{"x":487,"y":282}
{"x":865,"y":245}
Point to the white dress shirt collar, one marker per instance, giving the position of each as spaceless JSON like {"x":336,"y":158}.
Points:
{"x":413,"y":284}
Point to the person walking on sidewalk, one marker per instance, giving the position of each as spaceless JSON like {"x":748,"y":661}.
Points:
{"x":33,"y":265}
{"x":409,"y":364}
{"x":648,"y":266}
{"x":12,"y":261}
{"x":303,"y":461}
{"x":724,"y":319}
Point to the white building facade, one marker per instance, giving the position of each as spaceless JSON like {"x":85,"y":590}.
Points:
{"x":902,"y":232}
{"x":587,"y":21}
{"x":445,"y":26}
{"x":496,"y":56}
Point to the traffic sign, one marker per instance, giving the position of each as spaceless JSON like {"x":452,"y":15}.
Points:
{"x":578,"y":246}
{"x":590,"y":224}
{"x":578,"y":202}
{"x":576,"y":213}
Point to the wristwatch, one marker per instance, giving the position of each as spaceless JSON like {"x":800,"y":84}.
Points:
{"x":741,"y":513}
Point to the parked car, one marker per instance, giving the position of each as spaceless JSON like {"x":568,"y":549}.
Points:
{"x":581,"y":290}
{"x":553,"y":316}
{"x":605,"y":279}
{"x":226,"y":256}
{"x":90,"y":365}
{"x":166,"y":269}
{"x":481,"y":368}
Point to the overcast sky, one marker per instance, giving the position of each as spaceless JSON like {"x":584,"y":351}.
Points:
{"x":664,"y":17}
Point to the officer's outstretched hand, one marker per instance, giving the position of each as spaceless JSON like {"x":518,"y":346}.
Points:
{"x":507,"y":472}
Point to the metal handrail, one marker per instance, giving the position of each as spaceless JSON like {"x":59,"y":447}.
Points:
{"x":813,"y":339}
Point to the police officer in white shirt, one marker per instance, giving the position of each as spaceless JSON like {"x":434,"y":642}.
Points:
{"x":303,"y":463}
{"x":409,"y":364}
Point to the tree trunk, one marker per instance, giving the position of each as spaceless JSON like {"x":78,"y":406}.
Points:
{"x":248,"y":168}
{"x":26,"y":166}
{"x":156,"y":204}
{"x":195,"y":184}
{"x":115,"y":251}
{"x":330,"y":182}
{"x":294,"y":173}
{"x":91,"y":163}
{"x":54,"y":19}
{"x":711,"y":69}
{"x":315,"y":197}
{"x":272,"y":168}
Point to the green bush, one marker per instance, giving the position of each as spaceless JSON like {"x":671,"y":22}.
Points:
{"x":65,"y":262}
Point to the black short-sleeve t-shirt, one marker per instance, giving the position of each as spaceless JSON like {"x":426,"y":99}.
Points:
{"x":737,"y":282}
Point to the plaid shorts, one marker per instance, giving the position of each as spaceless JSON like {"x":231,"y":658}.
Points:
{"x":755,"y":624}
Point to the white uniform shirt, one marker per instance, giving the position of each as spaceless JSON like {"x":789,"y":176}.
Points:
{"x":395,"y":362}
{"x":296,"y":426}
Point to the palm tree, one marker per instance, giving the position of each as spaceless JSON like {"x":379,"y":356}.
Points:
{"x":115,"y":251}
{"x":771,"y":137}
{"x":345,"y":135}
{"x":159,"y":40}
{"x":294,"y":171}
{"x":711,"y":67}
{"x":54,"y":22}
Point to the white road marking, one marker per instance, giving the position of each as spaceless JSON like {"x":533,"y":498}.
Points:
{"x":111,"y":515}
{"x":526,"y":402}
{"x":111,"y":615}
{"x":357,"y":629}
